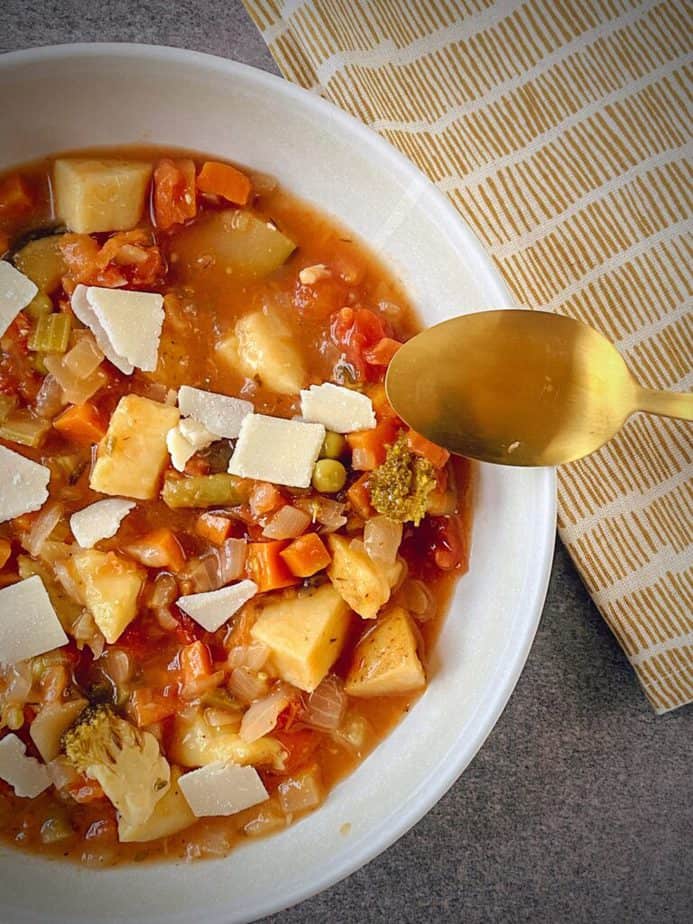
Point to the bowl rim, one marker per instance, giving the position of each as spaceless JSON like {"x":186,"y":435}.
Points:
{"x":429,"y":791}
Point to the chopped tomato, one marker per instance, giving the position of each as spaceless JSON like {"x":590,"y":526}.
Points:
{"x":147,"y":706}
{"x":127,"y":258}
{"x":356,"y":331}
{"x":300,"y":746}
{"x":382,"y":352}
{"x":175,"y":197}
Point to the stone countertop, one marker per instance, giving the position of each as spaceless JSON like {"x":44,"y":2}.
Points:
{"x":579,"y":806}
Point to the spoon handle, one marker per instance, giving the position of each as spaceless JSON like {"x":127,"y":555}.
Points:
{"x":665,"y":403}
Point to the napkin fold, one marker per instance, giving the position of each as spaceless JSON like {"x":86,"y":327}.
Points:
{"x":559,"y":130}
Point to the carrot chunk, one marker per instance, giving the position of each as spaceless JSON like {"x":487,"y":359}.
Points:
{"x":419,"y":445}
{"x":213,"y":528}
{"x":82,"y":423}
{"x":158,"y":549}
{"x":306,"y":555}
{"x":369,"y":447}
{"x":266,"y":567}
{"x":225,"y":181}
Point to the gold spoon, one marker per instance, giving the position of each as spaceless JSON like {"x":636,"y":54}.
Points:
{"x":519,"y":388}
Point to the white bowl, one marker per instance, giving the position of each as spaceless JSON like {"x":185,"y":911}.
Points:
{"x":75,"y":96}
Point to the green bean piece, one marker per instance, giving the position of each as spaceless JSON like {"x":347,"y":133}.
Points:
{"x":205,"y":491}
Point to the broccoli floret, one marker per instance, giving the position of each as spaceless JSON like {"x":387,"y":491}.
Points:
{"x":125,"y":761}
{"x":401,"y":485}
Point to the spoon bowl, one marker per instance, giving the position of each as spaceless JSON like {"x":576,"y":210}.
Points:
{"x":519,"y":387}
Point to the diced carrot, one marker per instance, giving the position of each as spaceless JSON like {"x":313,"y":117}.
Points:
{"x":158,"y":549}
{"x":15,"y":196}
{"x":82,"y":423}
{"x":195,"y":662}
{"x":306,"y":555}
{"x":359,"y":497}
{"x":266,"y":567}
{"x":5,"y":552}
{"x":174,"y":192}
{"x":213,"y":527}
{"x":435,"y":454}
{"x":369,"y":447}
{"x":148,"y":706}
{"x":225,"y":181}
{"x":382,"y":352}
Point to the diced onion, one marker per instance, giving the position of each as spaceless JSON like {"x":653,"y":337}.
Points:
{"x":354,"y":732}
{"x":287,"y":523}
{"x":362,"y":459}
{"x":382,"y":537}
{"x":326,"y":705}
{"x":252,"y":656}
{"x":220,"y":717}
{"x":328,"y":513}
{"x":84,"y":357}
{"x":300,"y":792}
{"x":65,"y":576}
{"x":17,"y":679}
{"x":231,"y":560}
{"x":62,"y":773}
{"x":418,"y":599}
{"x":245,"y":685}
{"x":43,"y":526}
{"x":119,"y":666}
{"x":262,"y":716}
{"x":49,"y":400}
{"x":268,"y":818}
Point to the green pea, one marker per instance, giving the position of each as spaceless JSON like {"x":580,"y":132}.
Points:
{"x":329,"y":476}
{"x":333,"y":445}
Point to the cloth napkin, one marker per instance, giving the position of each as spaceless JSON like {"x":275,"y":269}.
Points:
{"x":558,"y":128}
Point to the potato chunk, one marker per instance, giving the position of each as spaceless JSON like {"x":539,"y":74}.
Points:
{"x":100,"y":195}
{"x":110,"y":586}
{"x":50,"y":723}
{"x":362,"y":582}
{"x":262,"y":348}
{"x":133,"y":453}
{"x":305,"y":633}
{"x":385,"y":661}
{"x":171,"y":814}
{"x":196,"y":743}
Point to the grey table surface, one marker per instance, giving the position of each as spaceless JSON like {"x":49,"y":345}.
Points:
{"x":579,"y":806}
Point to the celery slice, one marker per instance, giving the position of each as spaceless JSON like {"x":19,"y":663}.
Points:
{"x":52,"y":333}
{"x":22,"y":427}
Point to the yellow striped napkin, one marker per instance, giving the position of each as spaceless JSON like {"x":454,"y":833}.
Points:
{"x":558,"y":128}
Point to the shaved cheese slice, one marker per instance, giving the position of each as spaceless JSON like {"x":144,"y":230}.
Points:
{"x":220,"y":414}
{"x":29,"y":624}
{"x":25,"y":774}
{"x":211,"y":609}
{"x":85,"y":313}
{"x":99,"y":521}
{"x":340,"y":409}
{"x":23,"y":484}
{"x":132,"y":321}
{"x":277,"y":450}
{"x":16,"y":291}
{"x":222,"y":789}
{"x":185,"y":439}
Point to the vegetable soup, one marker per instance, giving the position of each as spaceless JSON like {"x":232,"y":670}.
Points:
{"x":223,"y":558}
